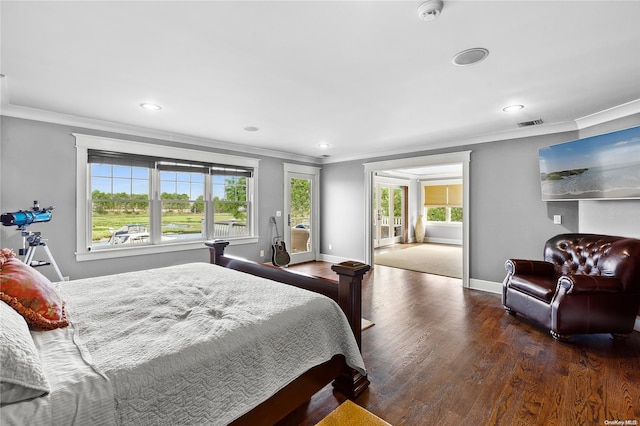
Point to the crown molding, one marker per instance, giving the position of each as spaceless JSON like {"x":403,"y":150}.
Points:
{"x":27,"y":113}
{"x":610,"y":114}
{"x":525,"y":132}
{"x":600,"y":117}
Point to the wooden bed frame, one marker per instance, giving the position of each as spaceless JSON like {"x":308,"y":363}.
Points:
{"x":347,"y":292}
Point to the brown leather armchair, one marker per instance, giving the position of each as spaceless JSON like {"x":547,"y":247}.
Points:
{"x":587,"y":283}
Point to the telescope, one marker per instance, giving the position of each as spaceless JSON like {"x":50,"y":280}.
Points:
{"x":32,"y":240}
{"x":24,"y":218}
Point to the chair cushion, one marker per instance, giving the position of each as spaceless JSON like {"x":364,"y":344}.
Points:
{"x":542,"y":288}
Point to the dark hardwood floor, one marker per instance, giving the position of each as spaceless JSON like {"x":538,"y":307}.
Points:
{"x":440,"y":354}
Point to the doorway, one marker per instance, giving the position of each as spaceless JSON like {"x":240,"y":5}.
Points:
{"x":372,"y":169}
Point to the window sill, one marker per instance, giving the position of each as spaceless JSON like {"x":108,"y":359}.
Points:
{"x":141,"y":250}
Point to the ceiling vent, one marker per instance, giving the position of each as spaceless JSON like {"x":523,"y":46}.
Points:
{"x":530,"y":123}
{"x":470,"y":56}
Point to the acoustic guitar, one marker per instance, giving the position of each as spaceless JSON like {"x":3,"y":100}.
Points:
{"x":279,"y":255}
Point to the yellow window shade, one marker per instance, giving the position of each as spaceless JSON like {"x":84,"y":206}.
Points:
{"x":435,"y":195}
{"x":455,"y":196}
{"x":443,"y":195}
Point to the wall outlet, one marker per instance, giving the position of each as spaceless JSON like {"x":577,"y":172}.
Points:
{"x":330,"y":247}
{"x":557,"y":219}
{"x":261,"y":253}
{"x":278,"y":213}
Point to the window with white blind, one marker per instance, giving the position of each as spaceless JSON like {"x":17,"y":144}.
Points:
{"x":443,"y":202}
{"x":131,"y":202}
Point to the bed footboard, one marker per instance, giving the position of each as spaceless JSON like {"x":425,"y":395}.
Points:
{"x":347,"y":292}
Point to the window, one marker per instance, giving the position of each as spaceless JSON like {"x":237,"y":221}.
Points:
{"x":443,"y":202}
{"x":182,"y":200}
{"x":119,"y":204}
{"x":137,"y":203}
{"x":230,"y":203}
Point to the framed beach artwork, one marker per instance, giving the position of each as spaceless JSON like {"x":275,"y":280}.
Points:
{"x":599,"y":167}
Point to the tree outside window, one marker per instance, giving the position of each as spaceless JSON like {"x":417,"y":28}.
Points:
{"x":230,"y":205}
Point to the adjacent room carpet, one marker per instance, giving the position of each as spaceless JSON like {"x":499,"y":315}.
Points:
{"x":351,"y":414}
{"x":438,"y":259}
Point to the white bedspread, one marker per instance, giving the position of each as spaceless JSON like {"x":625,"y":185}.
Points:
{"x":79,"y":395}
{"x":202,"y":344}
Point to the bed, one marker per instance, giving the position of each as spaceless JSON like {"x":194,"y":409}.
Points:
{"x":203,"y":343}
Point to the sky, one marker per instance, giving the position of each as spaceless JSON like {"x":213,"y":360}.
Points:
{"x":617,"y":148}
{"x":135,"y":180}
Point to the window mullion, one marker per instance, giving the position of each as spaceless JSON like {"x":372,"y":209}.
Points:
{"x":251,"y":213}
{"x":155,"y":208}
{"x":88,"y":223}
{"x":208,"y":206}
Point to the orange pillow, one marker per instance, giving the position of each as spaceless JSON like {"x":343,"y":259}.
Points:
{"x":31,"y":294}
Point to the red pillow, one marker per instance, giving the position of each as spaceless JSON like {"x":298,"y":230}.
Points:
{"x":32,"y":295}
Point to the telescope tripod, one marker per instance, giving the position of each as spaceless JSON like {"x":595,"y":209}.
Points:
{"x":34,"y":239}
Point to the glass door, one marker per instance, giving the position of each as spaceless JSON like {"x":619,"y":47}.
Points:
{"x":301,"y":207}
{"x":388,"y":217}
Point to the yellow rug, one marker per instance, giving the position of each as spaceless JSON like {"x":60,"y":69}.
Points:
{"x":351,"y":414}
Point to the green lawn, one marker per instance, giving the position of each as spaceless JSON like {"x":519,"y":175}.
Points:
{"x":180,"y":223}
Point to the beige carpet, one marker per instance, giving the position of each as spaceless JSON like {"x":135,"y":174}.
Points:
{"x":351,"y":414}
{"x":438,"y":259}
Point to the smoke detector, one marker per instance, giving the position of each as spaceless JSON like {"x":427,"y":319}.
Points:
{"x":430,"y":10}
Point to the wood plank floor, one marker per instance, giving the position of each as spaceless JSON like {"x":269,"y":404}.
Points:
{"x":439,"y":354}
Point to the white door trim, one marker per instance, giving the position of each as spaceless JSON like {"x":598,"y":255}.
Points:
{"x":463,"y":157}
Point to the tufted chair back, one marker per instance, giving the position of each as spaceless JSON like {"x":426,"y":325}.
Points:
{"x":596,"y":255}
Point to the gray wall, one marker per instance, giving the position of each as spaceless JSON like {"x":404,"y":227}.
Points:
{"x":507,"y":219}
{"x":342,"y":210}
{"x":507,"y":215}
{"x":446,"y":234}
{"x":38,"y":163}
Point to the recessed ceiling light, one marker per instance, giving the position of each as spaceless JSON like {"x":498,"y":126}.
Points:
{"x":323,"y":145}
{"x":150,"y":107}
{"x":512,"y":108}
{"x":470,"y":56}
{"x":251,"y":129}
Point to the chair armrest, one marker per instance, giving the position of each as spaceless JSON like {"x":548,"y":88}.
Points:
{"x":529,"y":267}
{"x":590,"y":284}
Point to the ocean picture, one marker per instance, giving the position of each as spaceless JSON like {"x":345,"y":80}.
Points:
{"x":600,"y":167}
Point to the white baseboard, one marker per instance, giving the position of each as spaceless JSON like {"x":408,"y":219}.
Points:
{"x":488,"y":286}
{"x":333,"y":259}
{"x":443,"y":241}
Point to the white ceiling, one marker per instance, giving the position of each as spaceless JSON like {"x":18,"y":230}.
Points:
{"x":367,"y":77}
